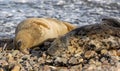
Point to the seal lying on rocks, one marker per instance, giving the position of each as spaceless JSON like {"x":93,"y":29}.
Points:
{"x":87,"y":42}
{"x":34,"y":31}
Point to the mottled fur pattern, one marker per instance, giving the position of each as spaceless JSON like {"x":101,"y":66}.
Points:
{"x":34,"y":31}
{"x":96,"y":37}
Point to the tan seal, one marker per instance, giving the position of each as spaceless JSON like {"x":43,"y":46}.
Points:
{"x":34,"y":31}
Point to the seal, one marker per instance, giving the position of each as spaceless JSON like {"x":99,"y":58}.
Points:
{"x":95,"y":37}
{"x":34,"y":31}
{"x":87,"y":44}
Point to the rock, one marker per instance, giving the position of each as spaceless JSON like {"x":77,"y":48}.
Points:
{"x":73,"y":61}
{"x":112,"y":53}
{"x":91,"y":61}
{"x":91,"y":67}
{"x":10,"y":58}
{"x":63,"y":69}
{"x":46,"y":68}
{"x":76,"y":67}
{"x":89,"y":54}
{"x":53,"y":67}
{"x":15,"y":52}
{"x":118,"y":52}
{"x":71,"y":49}
{"x":61,"y":60}
{"x":26,"y":57}
{"x":16,"y":68}
{"x":42,"y":60}
{"x":3,"y":63}
{"x":104,"y":51}
{"x":1,"y":69}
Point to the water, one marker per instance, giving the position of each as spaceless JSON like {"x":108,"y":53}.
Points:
{"x":79,"y":12}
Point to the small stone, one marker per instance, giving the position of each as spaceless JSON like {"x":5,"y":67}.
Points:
{"x":73,"y":60}
{"x":46,"y":68}
{"x":113,"y":53}
{"x":61,"y":60}
{"x":25,"y":57}
{"x":105,"y":62}
{"x":71,"y":49}
{"x":53,"y":67}
{"x":3,"y":63}
{"x":15,"y":52}
{"x":63,"y":69}
{"x":89,"y":54}
{"x":91,"y":67}
{"x":16,"y":68}
{"x":92,"y":61}
{"x":10,"y":58}
{"x":35,"y":68}
{"x":102,"y":59}
{"x":97,"y":63}
{"x":0,"y":49}
{"x":118,"y":52}
{"x":41,"y":60}
{"x":104,"y":51}
{"x":76,"y":68}
{"x":1,"y":69}
{"x":80,"y":60}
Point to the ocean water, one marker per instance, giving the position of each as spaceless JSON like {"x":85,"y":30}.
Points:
{"x":78,"y":12}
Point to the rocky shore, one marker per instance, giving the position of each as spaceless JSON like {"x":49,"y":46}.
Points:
{"x":37,"y":60}
{"x":79,"y":12}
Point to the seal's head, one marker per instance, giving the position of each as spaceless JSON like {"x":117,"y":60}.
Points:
{"x":57,"y":47}
{"x":23,"y":41}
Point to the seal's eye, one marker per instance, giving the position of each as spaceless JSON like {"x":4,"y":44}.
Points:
{"x":19,"y":44}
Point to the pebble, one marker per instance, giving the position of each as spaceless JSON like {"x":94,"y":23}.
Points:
{"x":16,"y":68}
{"x":61,"y":60}
{"x":73,"y":60}
{"x":1,"y":69}
{"x":89,"y":54}
{"x":113,"y":53}
{"x":3,"y":63}
{"x":104,"y":51}
{"x":15,"y":52}
{"x":118,"y":52}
